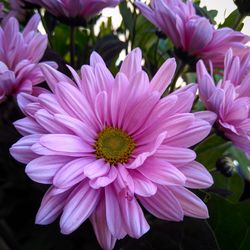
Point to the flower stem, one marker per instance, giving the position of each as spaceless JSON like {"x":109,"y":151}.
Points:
{"x":72,"y":46}
{"x":46,"y":28}
{"x":179,"y":71}
{"x":238,"y":21}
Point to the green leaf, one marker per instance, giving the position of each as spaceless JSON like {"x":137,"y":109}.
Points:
{"x":232,"y":19}
{"x":127,"y":16}
{"x":230,"y":222}
{"x":210,"y":150}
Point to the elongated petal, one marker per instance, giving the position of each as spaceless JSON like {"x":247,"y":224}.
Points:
{"x":51,"y":206}
{"x":113,"y":213}
{"x":190,"y":203}
{"x":163,"y":205}
{"x":43,"y":169}
{"x":80,"y":205}
{"x":133,"y":217}
{"x":99,"y":222}
{"x":197,"y":176}
{"x":163,"y":77}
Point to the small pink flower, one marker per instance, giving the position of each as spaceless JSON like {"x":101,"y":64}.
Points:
{"x":229,"y":99}
{"x":105,"y":143}
{"x":19,"y":55}
{"x":192,"y":34}
{"x":80,"y":8}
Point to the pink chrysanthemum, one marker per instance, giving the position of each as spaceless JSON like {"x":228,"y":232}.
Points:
{"x":19,"y":55}
{"x":230,"y":99}
{"x":80,"y":8}
{"x":191,"y":34}
{"x":103,"y":143}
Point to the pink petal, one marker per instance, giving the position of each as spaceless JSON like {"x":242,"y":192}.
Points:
{"x":175,"y":155}
{"x":191,"y":204}
{"x":44,"y":168}
{"x":197,"y":176}
{"x":206,"y":116}
{"x":98,"y":220}
{"x":21,"y":150}
{"x":133,"y":217}
{"x":163,"y":77}
{"x":80,"y":205}
{"x":143,"y":186}
{"x":105,"y":180}
{"x":132,"y":63}
{"x":113,"y":213}
{"x":28,"y":126}
{"x":96,"y":169}
{"x":161,"y":172}
{"x":65,"y":143}
{"x":163,"y":205}
{"x":71,"y":173}
{"x":51,"y":207}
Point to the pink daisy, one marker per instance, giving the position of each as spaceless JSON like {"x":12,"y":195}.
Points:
{"x":229,"y":99}
{"x":80,"y":9}
{"x":19,"y":57}
{"x":105,"y":143}
{"x":191,"y":34}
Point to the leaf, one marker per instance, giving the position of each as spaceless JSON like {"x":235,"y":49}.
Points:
{"x":210,"y":150}
{"x":230,"y":222}
{"x":232,"y":19}
{"x":127,"y":16}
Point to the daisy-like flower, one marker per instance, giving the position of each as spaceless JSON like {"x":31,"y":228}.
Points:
{"x":105,"y":143}
{"x":229,"y":99}
{"x":19,"y":57}
{"x":80,"y":9}
{"x":193,"y":36}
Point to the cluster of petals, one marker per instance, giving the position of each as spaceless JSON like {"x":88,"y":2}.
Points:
{"x":191,"y":33}
{"x":20,"y":53}
{"x":60,"y":130}
{"x":80,"y":8}
{"x":229,"y":99}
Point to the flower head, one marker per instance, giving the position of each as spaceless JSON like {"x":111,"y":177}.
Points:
{"x":81,"y":9}
{"x":192,"y":35}
{"x":105,"y":143}
{"x":229,"y":99}
{"x":19,"y":55}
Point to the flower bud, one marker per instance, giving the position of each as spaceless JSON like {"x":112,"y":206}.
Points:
{"x":227,"y":166}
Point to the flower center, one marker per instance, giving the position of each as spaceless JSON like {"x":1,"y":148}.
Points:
{"x":114,"y":145}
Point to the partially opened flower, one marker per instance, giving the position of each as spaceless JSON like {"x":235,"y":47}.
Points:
{"x":192,"y":35}
{"x":80,"y":9}
{"x":230,"y":99}
{"x":105,"y":143}
{"x":20,"y":53}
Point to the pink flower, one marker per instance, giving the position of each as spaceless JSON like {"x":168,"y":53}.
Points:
{"x":19,"y":55}
{"x":80,"y":8}
{"x":191,"y":34}
{"x":229,"y":99}
{"x":105,"y":143}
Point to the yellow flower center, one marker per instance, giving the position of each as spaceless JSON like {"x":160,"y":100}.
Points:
{"x":114,"y":145}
